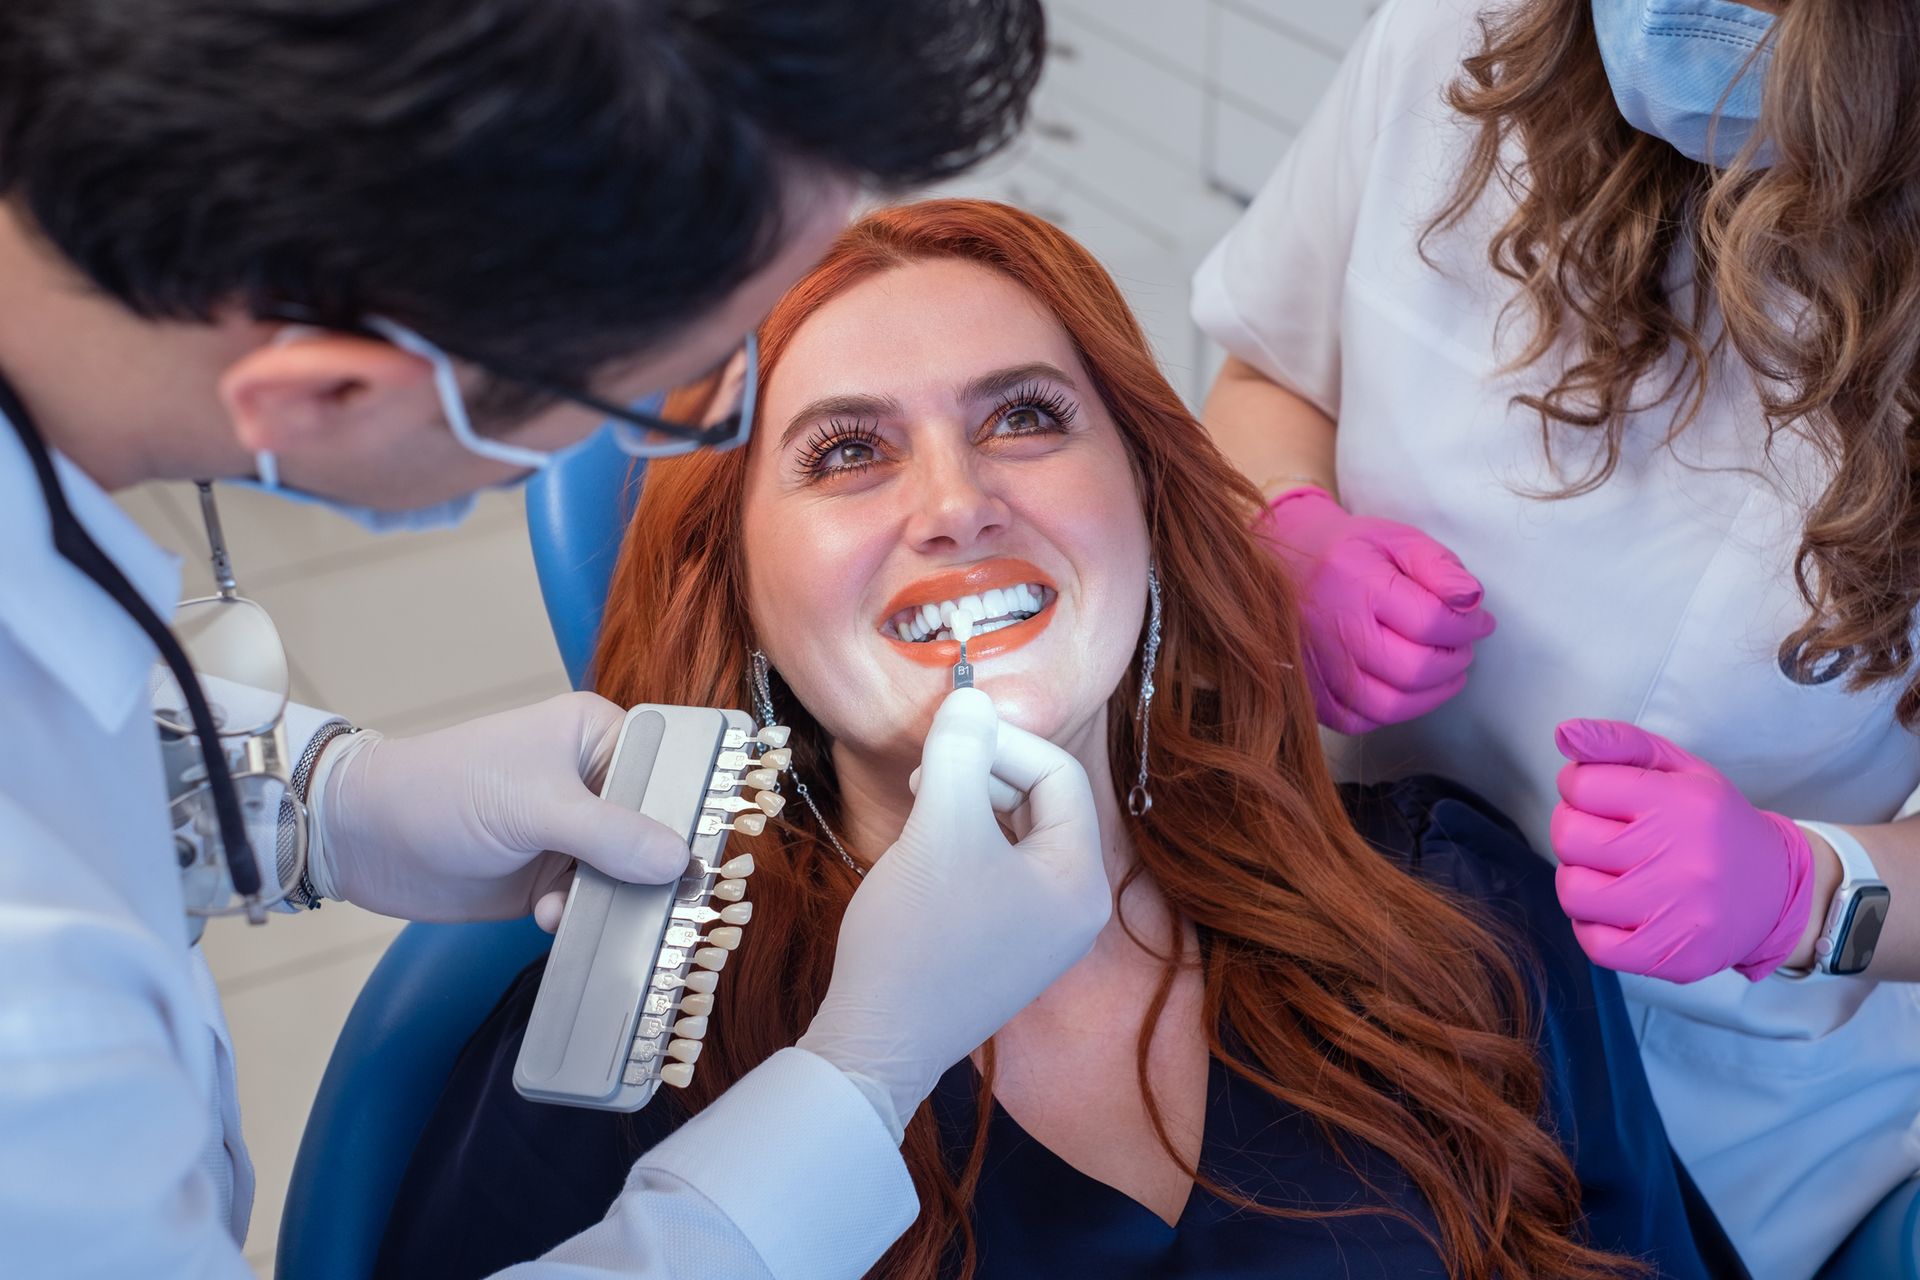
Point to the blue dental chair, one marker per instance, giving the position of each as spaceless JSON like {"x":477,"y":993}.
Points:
{"x":436,"y":982}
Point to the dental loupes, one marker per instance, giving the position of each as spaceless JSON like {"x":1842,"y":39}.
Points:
{"x":962,"y":625}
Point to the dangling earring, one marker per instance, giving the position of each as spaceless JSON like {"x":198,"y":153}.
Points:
{"x":763,"y":708}
{"x":1139,"y":799}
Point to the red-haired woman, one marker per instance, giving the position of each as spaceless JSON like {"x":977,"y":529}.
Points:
{"x":1616,"y":304}
{"x":1286,"y":1054}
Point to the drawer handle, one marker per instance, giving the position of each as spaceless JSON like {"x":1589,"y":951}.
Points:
{"x":1055,"y":131}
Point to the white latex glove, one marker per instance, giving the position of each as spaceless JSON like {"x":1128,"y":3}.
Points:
{"x":481,"y":821}
{"x":955,"y":930}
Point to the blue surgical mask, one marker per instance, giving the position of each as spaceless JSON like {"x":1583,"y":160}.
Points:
{"x":1686,"y":71}
{"x":452,"y":407}
{"x":440,"y":516}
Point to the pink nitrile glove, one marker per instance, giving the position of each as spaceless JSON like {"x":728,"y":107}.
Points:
{"x":1665,"y":868}
{"x":1390,"y":615}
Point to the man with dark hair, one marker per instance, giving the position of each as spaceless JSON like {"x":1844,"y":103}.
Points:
{"x":379,"y":254}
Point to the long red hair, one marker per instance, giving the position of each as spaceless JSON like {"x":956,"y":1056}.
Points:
{"x":1354,"y":993}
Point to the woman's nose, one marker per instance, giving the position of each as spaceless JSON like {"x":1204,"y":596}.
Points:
{"x":952,"y":506}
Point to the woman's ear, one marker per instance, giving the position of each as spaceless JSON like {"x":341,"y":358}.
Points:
{"x":313,"y":388}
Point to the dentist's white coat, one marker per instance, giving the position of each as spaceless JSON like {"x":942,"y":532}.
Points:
{"x":120,"y":1146}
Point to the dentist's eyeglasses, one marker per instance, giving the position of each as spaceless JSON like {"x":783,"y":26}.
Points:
{"x":241,"y":665}
{"x":723,"y":421}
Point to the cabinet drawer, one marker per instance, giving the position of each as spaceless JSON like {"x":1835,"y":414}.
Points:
{"x":1268,"y":71}
{"x":1332,"y":24}
{"x":1172,"y":32}
{"x":1243,"y":149}
{"x":1101,"y":157}
{"x":1143,"y":100}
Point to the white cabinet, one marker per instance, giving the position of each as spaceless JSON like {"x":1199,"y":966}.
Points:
{"x":1155,"y":122}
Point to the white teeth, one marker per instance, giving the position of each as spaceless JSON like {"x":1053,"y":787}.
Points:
{"x":934,"y":621}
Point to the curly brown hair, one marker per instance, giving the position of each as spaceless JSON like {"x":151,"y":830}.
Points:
{"x":1809,"y":268}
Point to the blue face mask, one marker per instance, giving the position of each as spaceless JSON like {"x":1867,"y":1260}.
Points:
{"x":452,"y":407}
{"x":1686,"y":71}
{"x":441,"y":516}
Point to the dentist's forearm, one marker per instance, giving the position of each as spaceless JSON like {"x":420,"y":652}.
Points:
{"x":1279,"y":440}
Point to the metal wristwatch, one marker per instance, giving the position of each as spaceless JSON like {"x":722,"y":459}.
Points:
{"x":1858,"y":912}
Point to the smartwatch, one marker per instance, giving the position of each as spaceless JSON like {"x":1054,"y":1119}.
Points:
{"x":1858,"y":912}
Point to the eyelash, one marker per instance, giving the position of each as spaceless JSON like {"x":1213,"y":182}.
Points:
{"x":836,"y":434}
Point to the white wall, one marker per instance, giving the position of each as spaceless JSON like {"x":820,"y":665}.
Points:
{"x":1156,"y":120}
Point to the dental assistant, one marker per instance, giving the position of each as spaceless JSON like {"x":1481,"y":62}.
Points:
{"x":1577,"y":347}
{"x":225,"y":227}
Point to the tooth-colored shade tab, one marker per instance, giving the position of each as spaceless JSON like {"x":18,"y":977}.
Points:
{"x":734,"y":868}
{"x":693,"y":1028}
{"x":677,"y":1074}
{"x":772,"y":802}
{"x":775,"y":735}
{"x":760,"y":779}
{"x":697,"y":1003}
{"x":778,"y":758}
{"x":710,"y":958}
{"x":738,"y":913}
{"x":962,"y":625}
{"x":702,"y":982}
{"x":750,"y":824}
{"x":730,"y":890}
{"x":726,"y":937}
{"x":685,"y":1050}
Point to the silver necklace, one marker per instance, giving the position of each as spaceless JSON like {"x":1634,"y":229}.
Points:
{"x":763,"y":708}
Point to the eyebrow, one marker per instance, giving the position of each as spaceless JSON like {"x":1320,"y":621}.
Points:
{"x":999,"y":382}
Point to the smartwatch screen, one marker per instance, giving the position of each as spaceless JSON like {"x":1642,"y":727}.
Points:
{"x":1860,"y":932}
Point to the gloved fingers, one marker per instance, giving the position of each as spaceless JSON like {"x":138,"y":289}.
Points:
{"x":1623,"y":792}
{"x":1003,"y":796}
{"x":1369,"y":702}
{"x":958,"y":754}
{"x":600,"y":722}
{"x":1057,"y":793}
{"x":1405,"y":606}
{"x":1595,"y":897}
{"x":1610,"y":947}
{"x":1403,"y":664}
{"x":1339,"y":717}
{"x":1592,"y":840}
{"x":1617,"y":742}
{"x":612,"y":838}
{"x":1433,"y":567}
{"x":549,"y":907}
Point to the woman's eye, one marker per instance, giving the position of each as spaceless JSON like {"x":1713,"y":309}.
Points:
{"x":854,"y":453}
{"x":839,"y":450}
{"x":1023,"y":420}
{"x":1032,"y":413}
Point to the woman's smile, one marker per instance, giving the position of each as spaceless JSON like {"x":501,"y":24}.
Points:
{"x":1011,"y":602}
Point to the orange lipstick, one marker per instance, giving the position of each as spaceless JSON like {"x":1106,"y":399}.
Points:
{"x":955,"y":584}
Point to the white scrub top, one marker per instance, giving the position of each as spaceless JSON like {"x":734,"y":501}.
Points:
{"x":1660,"y":598}
{"x":120,"y":1147}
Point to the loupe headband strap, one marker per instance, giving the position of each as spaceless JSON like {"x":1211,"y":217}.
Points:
{"x":71,"y":539}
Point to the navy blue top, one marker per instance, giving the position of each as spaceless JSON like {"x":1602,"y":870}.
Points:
{"x":497,"y":1179}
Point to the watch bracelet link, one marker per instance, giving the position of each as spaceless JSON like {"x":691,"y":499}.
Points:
{"x":303,"y":894}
